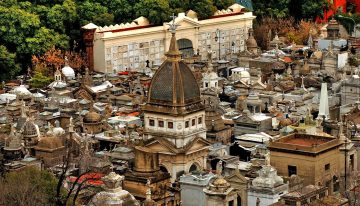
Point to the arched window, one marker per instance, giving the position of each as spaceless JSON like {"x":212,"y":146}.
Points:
{"x":193,"y":168}
{"x":186,"y":47}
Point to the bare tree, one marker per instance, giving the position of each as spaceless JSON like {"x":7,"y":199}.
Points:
{"x":81,"y":182}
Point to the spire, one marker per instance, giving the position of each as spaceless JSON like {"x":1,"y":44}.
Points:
{"x":341,"y":135}
{"x":310,"y":41}
{"x":173,"y":48}
{"x":66,"y":61}
{"x":324,"y":104}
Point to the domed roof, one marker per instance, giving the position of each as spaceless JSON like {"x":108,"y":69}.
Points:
{"x":58,"y":131}
{"x":50,"y":142}
{"x":253,"y":99}
{"x":68,"y":72}
{"x":113,"y":194}
{"x":211,"y":76}
{"x":30,"y":129}
{"x":251,"y":42}
{"x":21,"y":90}
{"x":92,"y":117}
{"x":180,"y":90}
{"x":174,"y":85}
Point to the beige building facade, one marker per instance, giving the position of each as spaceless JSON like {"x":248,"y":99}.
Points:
{"x":316,"y":159}
{"x":129,"y":46}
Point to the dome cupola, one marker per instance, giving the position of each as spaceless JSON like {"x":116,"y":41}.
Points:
{"x":174,"y":89}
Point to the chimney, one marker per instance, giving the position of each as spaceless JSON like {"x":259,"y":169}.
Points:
{"x":88,"y":37}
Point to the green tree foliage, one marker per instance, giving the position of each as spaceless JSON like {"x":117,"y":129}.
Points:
{"x":16,"y":24}
{"x":223,"y":4}
{"x":8,"y":67}
{"x":298,"y":9}
{"x":31,"y":27}
{"x":272,"y":8}
{"x":89,"y":10}
{"x":157,"y":11}
{"x":29,"y":187}
{"x":40,"y":81}
{"x":121,"y":9}
{"x":203,"y":8}
{"x":177,"y":6}
{"x":347,"y":20}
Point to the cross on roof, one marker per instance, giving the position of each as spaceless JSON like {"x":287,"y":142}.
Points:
{"x":173,"y":26}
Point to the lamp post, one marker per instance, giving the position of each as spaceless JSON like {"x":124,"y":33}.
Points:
{"x":345,"y":17}
{"x":217,"y":38}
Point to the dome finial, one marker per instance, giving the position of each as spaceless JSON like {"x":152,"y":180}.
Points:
{"x":173,"y":48}
{"x":172,"y":25}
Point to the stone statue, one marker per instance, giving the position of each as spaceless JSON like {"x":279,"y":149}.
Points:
{"x":219,"y":168}
{"x":257,"y":202}
{"x":209,"y":55}
{"x":267,"y":159}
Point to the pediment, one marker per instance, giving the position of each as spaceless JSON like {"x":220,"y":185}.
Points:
{"x":241,"y":84}
{"x":258,"y":85}
{"x":160,"y":147}
{"x":197,"y":144}
{"x":237,"y":177}
{"x":187,"y":22}
{"x":83,"y":94}
{"x":244,"y":119}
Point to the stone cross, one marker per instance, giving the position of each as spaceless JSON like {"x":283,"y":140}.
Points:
{"x":173,"y":26}
{"x":302,"y":81}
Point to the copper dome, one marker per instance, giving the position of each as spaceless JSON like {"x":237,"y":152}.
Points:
{"x":174,"y":84}
{"x":174,"y":88}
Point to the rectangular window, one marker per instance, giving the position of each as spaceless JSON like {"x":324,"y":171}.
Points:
{"x":200,"y":120}
{"x":292,"y":170}
{"x":327,"y":167}
{"x":351,"y":162}
{"x":161,"y":123}
{"x":152,"y":122}
{"x":170,"y":125}
{"x":186,"y":124}
{"x":193,"y":122}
